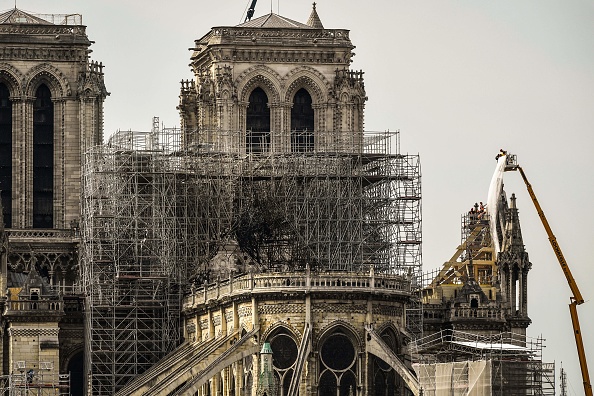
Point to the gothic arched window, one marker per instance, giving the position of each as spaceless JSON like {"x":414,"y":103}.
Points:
{"x":338,"y":359}
{"x":302,"y":122}
{"x":257,"y":135}
{"x":43,"y":159}
{"x":6,"y":155}
{"x":284,"y":355}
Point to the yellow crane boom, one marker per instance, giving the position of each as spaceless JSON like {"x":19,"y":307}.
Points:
{"x":577,"y":298}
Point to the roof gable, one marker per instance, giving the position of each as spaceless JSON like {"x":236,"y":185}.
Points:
{"x":16,"y":16}
{"x":274,"y":21}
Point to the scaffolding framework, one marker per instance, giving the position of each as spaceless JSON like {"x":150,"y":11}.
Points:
{"x":158,"y":216}
{"x":35,"y":383}
{"x":500,"y":364}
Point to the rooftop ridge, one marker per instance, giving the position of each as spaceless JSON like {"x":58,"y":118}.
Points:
{"x":17,"y":16}
{"x":273,"y":20}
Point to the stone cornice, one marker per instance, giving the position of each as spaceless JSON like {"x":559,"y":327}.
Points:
{"x":43,"y":29}
{"x":42,"y":54}
{"x":228,"y":35}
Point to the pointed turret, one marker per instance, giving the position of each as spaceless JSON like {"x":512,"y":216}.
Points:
{"x":514,"y":266}
{"x":314,"y":20}
{"x":513,"y":234}
{"x":267,"y":384}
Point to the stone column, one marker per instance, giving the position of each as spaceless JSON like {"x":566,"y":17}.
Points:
{"x":504,"y":283}
{"x":18,"y":162}
{"x":238,"y":378}
{"x":223,"y":322}
{"x":255,"y":319}
{"x":276,"y":127}
{"x":525,"y":292}
{"x":235,"y":316}
{"x":215,"y":384}
{"x":520,"y":285}
{"x":319,"y":127}
{"x":211,"y":326}
{"x":512,"y":292}
{"x":237,"y":141}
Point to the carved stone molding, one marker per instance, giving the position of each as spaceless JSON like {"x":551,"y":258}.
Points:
{"x":33,"y":332}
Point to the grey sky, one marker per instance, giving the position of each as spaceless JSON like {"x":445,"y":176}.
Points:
{"x":460,"y":79}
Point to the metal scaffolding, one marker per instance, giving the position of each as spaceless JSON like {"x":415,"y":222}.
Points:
{"x":473,"y":364}
{"x":26,"y":383}
{"x":158,"y":217}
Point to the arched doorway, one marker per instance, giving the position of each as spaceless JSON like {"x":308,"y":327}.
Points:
{"x":257,"y":135}
{"x":75,"y":368}
{"x":302,"y":122}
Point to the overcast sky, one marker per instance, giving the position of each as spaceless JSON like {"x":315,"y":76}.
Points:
{"x":459,"y":79}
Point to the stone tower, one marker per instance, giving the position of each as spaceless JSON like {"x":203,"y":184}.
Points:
{"x":51,"y":112}
{"x":476,"y":308}
{"x":307,"y":228}
{"x":252,"y":95}
{"x":479,"y":290}
{"x":513,"y":271}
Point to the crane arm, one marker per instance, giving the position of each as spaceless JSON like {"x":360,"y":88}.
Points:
{"x":251,"y":10}
{"x":580,"y":348}
{"x":577,"y":298}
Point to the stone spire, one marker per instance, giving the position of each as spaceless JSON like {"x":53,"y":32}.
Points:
{"x":314,"y":20}
{"x":514,"y":266}
{"x":267,"y":384}
{"x":512,"y":240}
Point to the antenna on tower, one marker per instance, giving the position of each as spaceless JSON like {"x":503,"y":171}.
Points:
{"x":563,"y":378}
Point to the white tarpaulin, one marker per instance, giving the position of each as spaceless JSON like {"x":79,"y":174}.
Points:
{"x":493,"y":199}
{"x":469,"y":378}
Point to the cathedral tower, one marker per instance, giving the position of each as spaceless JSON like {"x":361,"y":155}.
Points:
{"x":274,"y":85}
{"x":513,"y":271}
{"x":51,"y":112}
{"x":306,"y":229}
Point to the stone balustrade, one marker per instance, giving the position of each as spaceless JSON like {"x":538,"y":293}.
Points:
{"x":431,"y":313}
{"x":480,"y":313}
{"x":34,"y":305}
{"x":299,"y":282}
{"x":30,"y":233}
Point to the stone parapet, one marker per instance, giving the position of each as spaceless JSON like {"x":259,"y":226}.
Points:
{"x":290,"y":282}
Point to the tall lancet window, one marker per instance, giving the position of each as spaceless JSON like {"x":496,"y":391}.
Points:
{"x":43,"y":159}
{"x":6,"y":155}
{"x":257,"y":135}
{"x":302,"y":122}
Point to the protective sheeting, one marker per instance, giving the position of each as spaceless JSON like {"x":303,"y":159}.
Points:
{"x":468,"y":378}
{"x":498,"y":346}
{"x":493,"y":199}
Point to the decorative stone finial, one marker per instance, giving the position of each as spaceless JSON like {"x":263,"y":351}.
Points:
{"x":314,"y":20}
